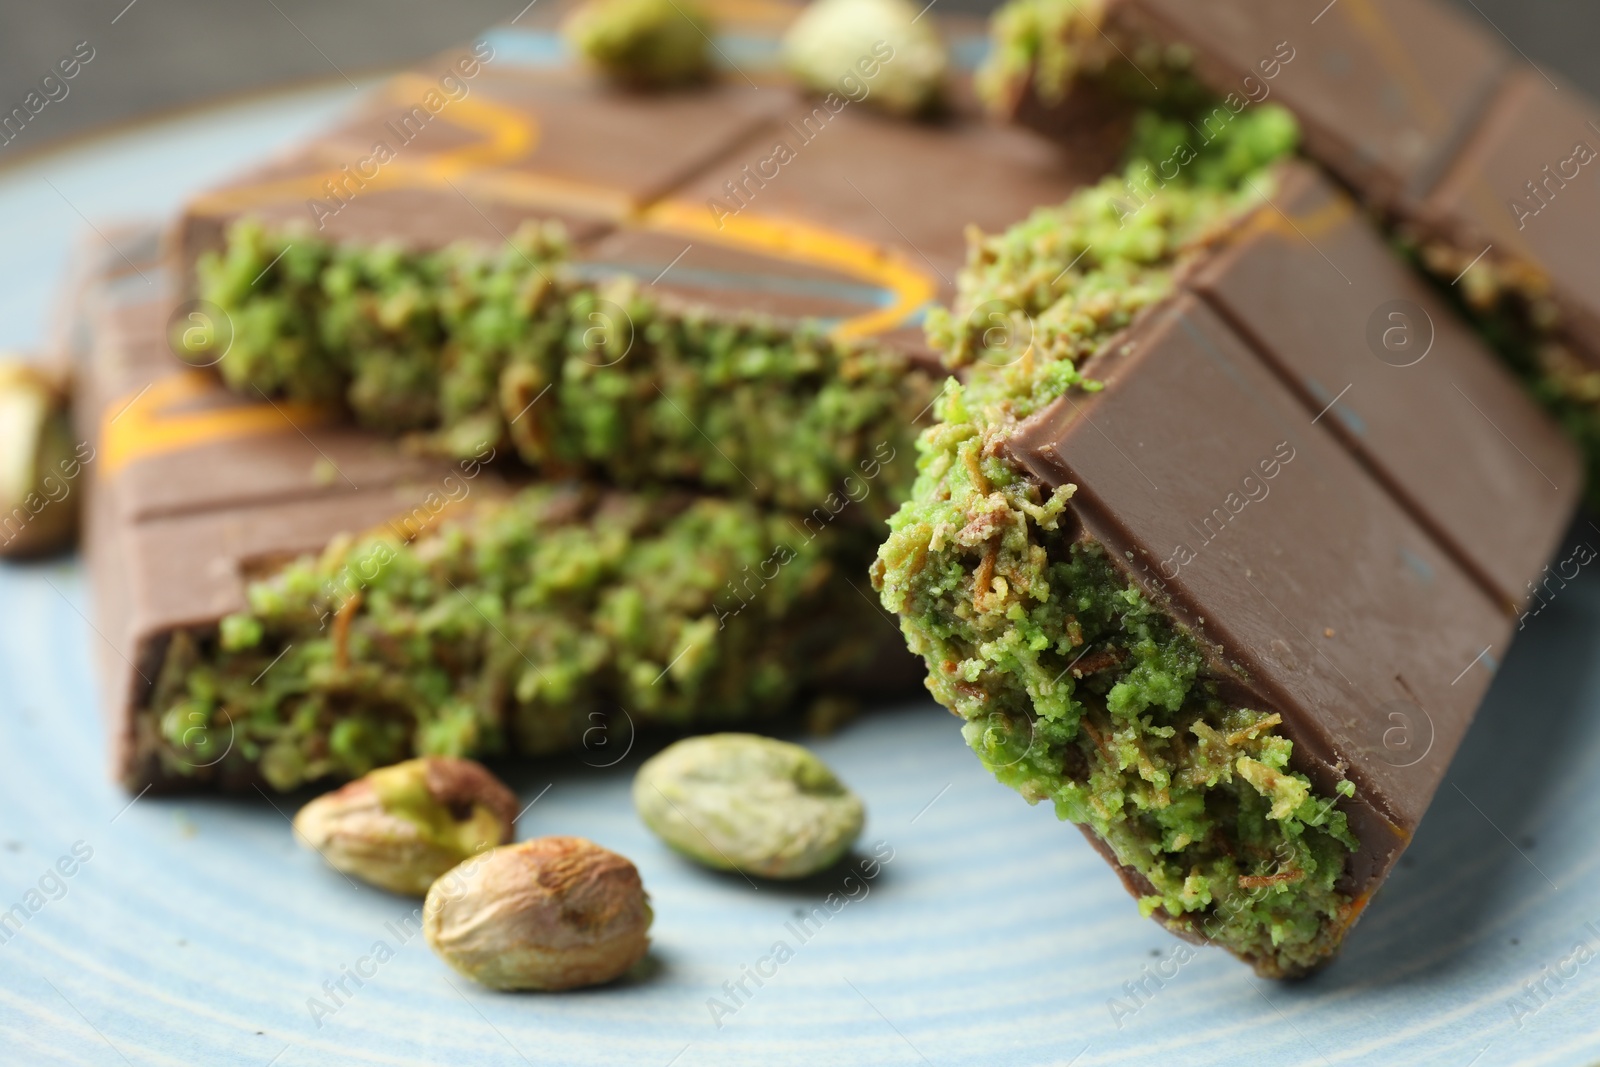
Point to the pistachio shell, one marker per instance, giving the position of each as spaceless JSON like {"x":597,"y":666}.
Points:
{"x":876,"y":52}
{"x":552,"y":913}
{"x":643,"y":43}
{"x":401,"y":827}
{"x":38,"y":467}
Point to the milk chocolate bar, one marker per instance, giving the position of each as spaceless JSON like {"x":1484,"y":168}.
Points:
{"x":763,"y":341}
{"x":1478,"y":159}
{"x":764,"y":192}
{"x":1219,"y":577}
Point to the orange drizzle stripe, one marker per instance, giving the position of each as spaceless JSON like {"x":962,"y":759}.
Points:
{"x":802,"y":242}
{"x":1323,"y":220}
{"x":139,"y":427}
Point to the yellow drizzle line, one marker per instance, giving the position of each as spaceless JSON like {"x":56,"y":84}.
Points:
{"x":508,"y":135}
{"x":140,"y":427}
{"x":802,"y":242}
{"x":1322,"y":220}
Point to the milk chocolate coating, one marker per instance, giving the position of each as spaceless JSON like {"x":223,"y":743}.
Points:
{"x":1352,"y":566}
{"x":1406,"y":386}
{"x":1425,"y":112}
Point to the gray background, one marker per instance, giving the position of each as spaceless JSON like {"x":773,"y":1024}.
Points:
{"x":164,"y":54}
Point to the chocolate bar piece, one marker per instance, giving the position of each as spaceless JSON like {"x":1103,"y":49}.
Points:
{"x":283,"y":599}
{"x":1209,"y":569}
{"x":758,"y":188}
{"x":1479,"y":160}
{"x":744,"y":208}
{"x":510,"y":351}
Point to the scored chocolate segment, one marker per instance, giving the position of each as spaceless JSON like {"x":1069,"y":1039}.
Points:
{"x":1386,"y":365}
{"x":879,"y":178}
{"x":1429,"y":119}
{"x":1208,"y":483}
{"x":524,"y":144}
{"x":1528,"y":187}
{"x":1385,"y":90}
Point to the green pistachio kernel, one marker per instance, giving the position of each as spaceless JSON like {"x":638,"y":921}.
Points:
{"x":646,"y":44}
{"x":401,"y":827}
{"x":876,"y":52}
{"x":750,"y":804}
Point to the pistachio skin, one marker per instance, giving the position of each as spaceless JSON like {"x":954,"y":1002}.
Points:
{"x":748,"y":803}
{"x":549,"y":914}
{"x":401,"y":827}
{"x":38,"y":502}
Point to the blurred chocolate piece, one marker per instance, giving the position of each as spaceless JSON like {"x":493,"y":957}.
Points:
{"x":745,"y":195}
{"x":1484,"y":160}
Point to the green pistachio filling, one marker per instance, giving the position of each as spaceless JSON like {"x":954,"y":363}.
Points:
{"x":518,"y":624}
{"x":1076,"y":687}
{"x":467,"y":348}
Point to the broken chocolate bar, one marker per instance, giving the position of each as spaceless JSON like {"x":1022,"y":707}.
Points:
{"x":1480,"y":161}
{"x":283,"y":599}
{"x":766,"y":354}
{"x":1208,"y":567}
{"x":763,"y":193}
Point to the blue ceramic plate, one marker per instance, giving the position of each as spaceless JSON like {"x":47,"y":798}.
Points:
{"x":193,"y":931}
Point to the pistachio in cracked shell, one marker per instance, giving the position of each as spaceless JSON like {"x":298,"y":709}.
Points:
{"x":548,"y":914}
{"x":875,"y":52}
{"x":39,"y":465}
{"x":401,"y":827}
{"x":748,"y":803}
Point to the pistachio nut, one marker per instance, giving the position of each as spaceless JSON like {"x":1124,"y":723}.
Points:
{"x":750,"y":804}
{"x":875,"y":52}
{"x":403,"y":826}
{"x":38,"y":463}
{"x":552,"y":913}
{"x":643,"y":44}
